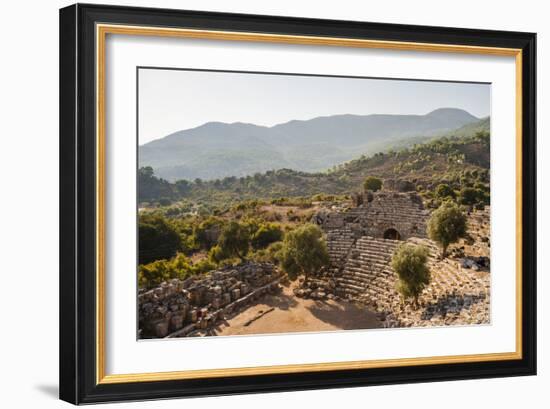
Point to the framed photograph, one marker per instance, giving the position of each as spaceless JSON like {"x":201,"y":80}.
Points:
{"x":257,"y":203}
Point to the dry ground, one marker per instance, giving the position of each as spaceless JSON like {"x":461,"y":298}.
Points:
{"x":285,"y":312}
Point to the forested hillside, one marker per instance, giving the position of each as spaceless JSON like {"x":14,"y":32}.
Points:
{"x":450,"y":160}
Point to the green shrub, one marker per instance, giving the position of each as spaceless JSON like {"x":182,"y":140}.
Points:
{"x":446,"y":225}
{"x":468,"y":196}
{"x":444,"y":191}
{"x":304,"y":251}
{"x":372,"y":183}
{"x":234,"y":240}
{"x":410,"y":264}
{"x":266,"y":234}
{"x":158,"y":239}
{"x":152,"y":274}
{"x":206,"y":234}
{"x":271,"y":254}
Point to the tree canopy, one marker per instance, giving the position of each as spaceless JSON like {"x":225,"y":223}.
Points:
{"x":444,"y":191}
{"x":158,"y":239}
{"x":446,"y":225}
{"x":234,"y":240}
{"x":372,"y":183}
{"x":410,"y":264}
{"x":304,"y":251}
{"x":266,"y":234}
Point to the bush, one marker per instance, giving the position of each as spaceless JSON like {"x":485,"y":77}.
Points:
{"x":271,"y":254}
{"x":444,"y":191}
{"x":410,"y":264}
{"x":152,"y":274}
{"x":468,"y":196}
{"x":304,"y":251}
{"x":158,"y":239}
{"x":203,"y":266}
{"x":266,"y":234}
{"x":217,"y":254}
{"x":234,"y":240}
{"x":372,"y":183}
{"x":208,"y":232}
{"x":446,"y":225}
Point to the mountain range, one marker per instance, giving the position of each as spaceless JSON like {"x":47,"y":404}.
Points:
{"x":216,"y":150}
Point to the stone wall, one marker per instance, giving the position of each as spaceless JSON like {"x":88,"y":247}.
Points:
{"x":379,"y":214}
{"x":179,"y":308}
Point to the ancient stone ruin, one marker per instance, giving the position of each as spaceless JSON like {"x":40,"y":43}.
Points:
{"x":389,"y":215}
{"x":361,"y":241}
{"x":180,"y":308}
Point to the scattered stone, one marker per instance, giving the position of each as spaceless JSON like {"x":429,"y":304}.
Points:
{"x":201,"y":301}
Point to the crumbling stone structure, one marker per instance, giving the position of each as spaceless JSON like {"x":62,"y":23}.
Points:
{"x":361,"y":242}
{"x":180,"y":308}
{"x":389,"y":215}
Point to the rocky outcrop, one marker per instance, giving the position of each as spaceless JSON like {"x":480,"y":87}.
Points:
{"x":179,"y":308}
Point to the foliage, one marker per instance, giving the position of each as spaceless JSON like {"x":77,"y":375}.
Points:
{"x":234,"y":240}
{"x":260,"y":216}
{"x":152,"y":274}
{"x":152,"y":188}
{"x":158,"y":239}
{"x":410,"y":264}
{"x":474,"y":195}
{"x":217,"y":254}
{"x":372,"y":183}
{"x":455,"y":160}
{"x":446,"y":225}
{"x":444,"y":191}
{"x":207,"y":232}
{"x":304,"y":251}
{"x":180,"y":266}
{"x":266,"y":234}
{"x":271,"y":254}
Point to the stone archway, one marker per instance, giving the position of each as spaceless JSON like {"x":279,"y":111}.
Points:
{"x":392,"y":234}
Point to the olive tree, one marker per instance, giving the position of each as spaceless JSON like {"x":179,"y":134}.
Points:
{"x":410,"y":264}
{"x":304,"y":251}
{"x":234,"y":240}
{"x":372,"y":183}
{"x":446,"y":225}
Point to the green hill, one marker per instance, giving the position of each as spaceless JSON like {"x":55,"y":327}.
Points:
{"x":456,"y":160}
{"x":216,"y":150}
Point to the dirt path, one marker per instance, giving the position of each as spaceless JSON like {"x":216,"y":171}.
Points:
{"x":284,"y":312}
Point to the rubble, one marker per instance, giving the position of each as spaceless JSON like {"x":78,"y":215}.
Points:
{"x":179,"y":308}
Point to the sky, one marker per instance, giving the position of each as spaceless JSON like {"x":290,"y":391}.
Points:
{"x":174,"y":100}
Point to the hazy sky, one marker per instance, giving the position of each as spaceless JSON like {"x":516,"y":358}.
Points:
{"x":172,"y":100}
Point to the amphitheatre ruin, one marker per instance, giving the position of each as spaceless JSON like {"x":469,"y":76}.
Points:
{"x":359,"y":283}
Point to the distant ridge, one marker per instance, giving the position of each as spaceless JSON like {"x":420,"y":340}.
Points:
{"x":216,"y":150}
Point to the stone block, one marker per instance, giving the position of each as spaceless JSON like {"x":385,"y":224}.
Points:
{"x":176,"y":322}
{"x":216,"y":303}
{"x":192,"y":315}
{"x":161,"y":329}
{"x":235,"y":294}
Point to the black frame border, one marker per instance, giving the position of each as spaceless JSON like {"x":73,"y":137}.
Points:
{"x":78,"y":197}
